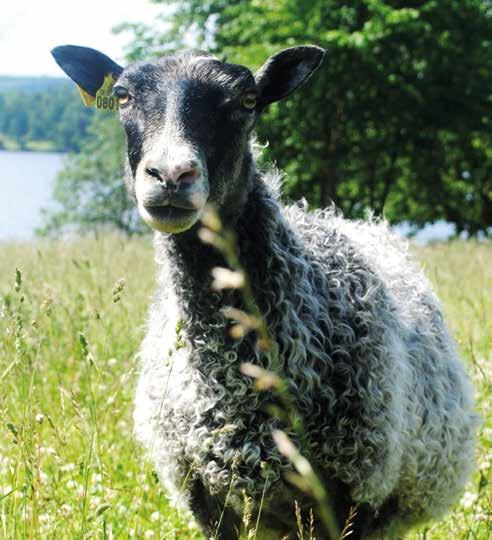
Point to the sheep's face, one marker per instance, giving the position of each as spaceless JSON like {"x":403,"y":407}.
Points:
{"x":188,"y":119}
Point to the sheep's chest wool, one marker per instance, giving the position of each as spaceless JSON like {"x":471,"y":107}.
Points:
{"x":386,"y":405}
{"x":363,"y":344}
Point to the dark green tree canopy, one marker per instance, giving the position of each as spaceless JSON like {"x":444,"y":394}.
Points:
{"x":52,"y":114}
{"x":89,"y":192}
{"x":398,"y":118}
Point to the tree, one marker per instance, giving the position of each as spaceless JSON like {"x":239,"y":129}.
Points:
{"x":90,"y":191}
{"x":397,"y":119}
{"x":54,"y":115}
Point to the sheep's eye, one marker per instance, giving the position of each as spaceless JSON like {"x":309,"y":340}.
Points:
{"x":248,"y":101}
{"x":122,"y":95}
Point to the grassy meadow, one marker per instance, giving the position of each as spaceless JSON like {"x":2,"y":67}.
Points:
{"x":71,"y":320}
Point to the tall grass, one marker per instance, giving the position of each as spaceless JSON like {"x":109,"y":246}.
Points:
{"x":71,"y":320}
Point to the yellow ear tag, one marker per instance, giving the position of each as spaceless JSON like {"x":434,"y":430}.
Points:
{"x":105,"y":100}
{"x":87,"y":99}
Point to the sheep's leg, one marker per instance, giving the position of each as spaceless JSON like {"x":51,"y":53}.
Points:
{"x":356,"y":528}
{"x":380,"y":526}
{"x":350,"y":516}
{"x":362,"y":522}
{"x":369,"y":523}
{"x":215,"y":520}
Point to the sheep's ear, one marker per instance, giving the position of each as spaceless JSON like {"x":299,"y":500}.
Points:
{"x":285,"y":71}
{"x":86,"y":67}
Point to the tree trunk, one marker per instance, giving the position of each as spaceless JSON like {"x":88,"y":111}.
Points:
{"x":328,"y":184}
{"x":328,"y":171}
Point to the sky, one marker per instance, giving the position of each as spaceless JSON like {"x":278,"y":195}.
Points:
{"x":29,"y":29}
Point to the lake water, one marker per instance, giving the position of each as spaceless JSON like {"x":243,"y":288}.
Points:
{"x":26,"y":182}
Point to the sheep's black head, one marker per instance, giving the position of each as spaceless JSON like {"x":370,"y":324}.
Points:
{"x":188,"y":119}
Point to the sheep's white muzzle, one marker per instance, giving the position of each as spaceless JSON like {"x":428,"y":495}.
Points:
{"x":172,"y":188}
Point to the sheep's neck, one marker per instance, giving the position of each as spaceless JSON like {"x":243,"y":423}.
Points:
{"x":191,"y":261}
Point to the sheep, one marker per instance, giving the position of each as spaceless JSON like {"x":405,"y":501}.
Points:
{"x":375,"y":374}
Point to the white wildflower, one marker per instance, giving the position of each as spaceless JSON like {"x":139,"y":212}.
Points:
{"x":65,"y":510}
{"x":43,"y":477}
{"x":155,"y":516}
{"x":468,"y":499}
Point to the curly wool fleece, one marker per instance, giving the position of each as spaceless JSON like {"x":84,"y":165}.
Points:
{"x":386,"y":403}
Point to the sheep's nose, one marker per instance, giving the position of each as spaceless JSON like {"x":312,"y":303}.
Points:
{"x":178,"y":174}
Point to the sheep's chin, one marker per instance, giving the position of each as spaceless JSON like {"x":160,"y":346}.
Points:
{"x":175,"y":220}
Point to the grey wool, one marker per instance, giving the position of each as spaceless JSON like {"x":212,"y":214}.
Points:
{"x":371,"y":366}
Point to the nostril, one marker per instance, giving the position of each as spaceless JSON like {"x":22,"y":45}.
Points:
{"x":155,"y":173}
{"x":172,"y":176}
{"x":188,"y":176}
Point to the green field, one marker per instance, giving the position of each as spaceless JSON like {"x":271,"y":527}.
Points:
{"x":71,"y":322}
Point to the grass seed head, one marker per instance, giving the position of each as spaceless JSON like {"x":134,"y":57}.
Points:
{"x":18,"y":280}
{"x":211,"y":219}
{"x":264,"y":379}
{"x":223,"y":278}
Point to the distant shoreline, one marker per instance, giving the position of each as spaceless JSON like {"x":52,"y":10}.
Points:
{"x":41,"y":114}
{"x":60,"y":153}
{"x":12,"y":145}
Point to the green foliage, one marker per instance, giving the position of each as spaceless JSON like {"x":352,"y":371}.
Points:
{"x":396,"y":120}
{"x":30,"y":84}
{"x":90,"y":191}
{"x":70,"y":467}
{"x":53,"y":115}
